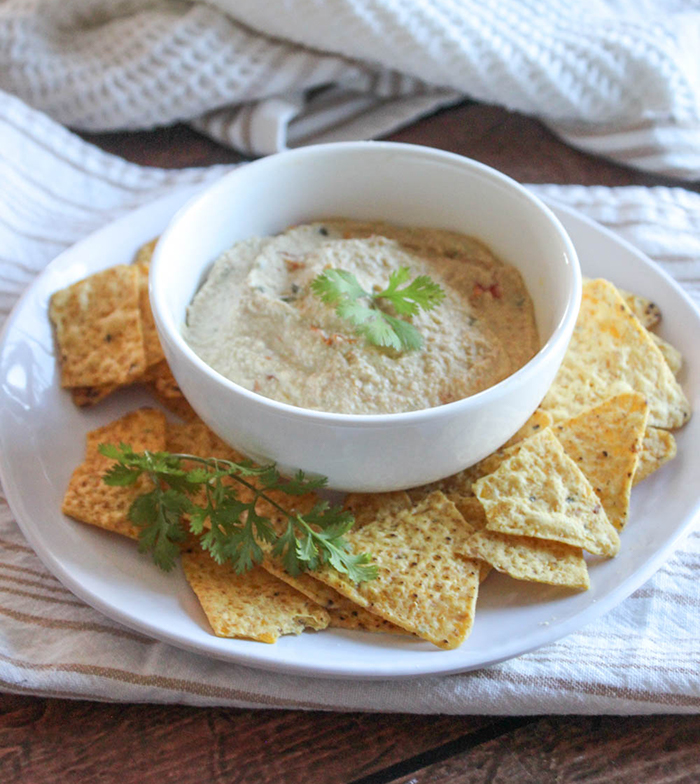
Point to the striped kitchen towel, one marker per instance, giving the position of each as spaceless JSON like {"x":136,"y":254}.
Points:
{"x":615,"y":78}
{"x":640,"y":658}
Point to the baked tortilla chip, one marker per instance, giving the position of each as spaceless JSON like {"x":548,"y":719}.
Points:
{"x":145,"y":253}
{"x":195,"y":438}
{"x":673,"y":357}
{"x":160,"y":381}
{"x":98,"y":329}
{"x":253,"y":605}
{"x":368,"y":507}
{"x":423,"y":585}
{"x":534,"y":425}
{"x":605,"y":443}
{"x":90,"y":396}
{"x":459,"y":486}
{"x":151,"y":342}
{"x":88,"y":499}
{"x":344,"y":614}
{"x":475,"y":517}
{"x":530,"y":559}
{"x":541,"y":492}
{"x":472,"y":511}
{"x":355,"y":618}
{"x":658,"y":447}
{"x":608,"y":350}
{"x":648,"y":314}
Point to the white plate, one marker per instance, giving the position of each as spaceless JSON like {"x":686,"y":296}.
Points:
{"x":41,"y":440}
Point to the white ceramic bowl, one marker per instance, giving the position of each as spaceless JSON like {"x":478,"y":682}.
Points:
{"x":405,"y":184}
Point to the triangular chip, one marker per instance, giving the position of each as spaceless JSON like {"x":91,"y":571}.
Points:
{"x":658,"y":447}
{"x":160,"y":381}
{"x":344,"y":614}
{"x":530,"y":559}
{"x":673,"y":357}
{"x":151,"y":342}
{"x":253,"y":605}
{"x":423,"y":586}
{"x":145,"y":253}
{"x":368,"y":507}
{"x":98,"y":329}
{"x":535,"y":424}
{"x":541,"y":492}
{"x":605,"y":443}
{"x":195,"y":438}
{"x":459,"y":485}
{"x":355,"y":618}
{"x":88,"y":498}
{"x":644,"y":309}
{"x":610,"y":349}
{"x":473,"y":513}
{"x":90,"y":396}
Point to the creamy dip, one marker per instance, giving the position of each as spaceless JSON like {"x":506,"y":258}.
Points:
{"x":256,"y":321}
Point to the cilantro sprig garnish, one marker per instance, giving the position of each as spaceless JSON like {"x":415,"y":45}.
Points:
{"x":365,"y":310}
{"x":209,"y":492}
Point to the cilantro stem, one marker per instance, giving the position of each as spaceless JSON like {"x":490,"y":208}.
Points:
{"x":236,"y":528}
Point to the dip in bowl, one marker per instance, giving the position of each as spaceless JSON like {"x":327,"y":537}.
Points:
{"x":403,"y":185}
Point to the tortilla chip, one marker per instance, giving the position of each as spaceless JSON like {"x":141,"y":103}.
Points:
{"x":253,"y":605}
{"x":645,"y":310}
{"x":423,"y":585}
{"x":143,"y":429}
{"x":472,"y":511}
{"x":530,"y":559}
{"x":160,"y":381}
{"x":356,"y":618}
{"x":344,"y":614}
{"x":195,"y":438}
{"x":98,"y":329}
{"x":368,"y":507}
{"x":610,"y":348}
{"x":145,"y":253}
{"x":90,"y":396}
{"x":475,"y":517}
{"x":658,"y":447}
{"x":88,"y":499}
{"x":151,"y":342}
{"x":673,"y":357}
{"x":605,"y":443}
{"x":541,"y":492}
{"x":535,"y":424}
{"x":459,"y":486}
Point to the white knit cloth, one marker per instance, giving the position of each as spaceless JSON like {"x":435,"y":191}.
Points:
{"x":619,"y":78}
{"x":641,"y":658}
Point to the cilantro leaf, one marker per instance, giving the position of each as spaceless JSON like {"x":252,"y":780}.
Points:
{"x":204,"y":501}
{"x":364,"y":309}
{"x":422,"y":292}
{"x":335,"y":284}
{"x":379,"y":331}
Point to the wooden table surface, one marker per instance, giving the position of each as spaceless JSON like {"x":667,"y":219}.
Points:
{"x":61,"y":741}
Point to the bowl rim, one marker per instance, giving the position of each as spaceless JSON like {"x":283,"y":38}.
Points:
{"x":165,"y":323}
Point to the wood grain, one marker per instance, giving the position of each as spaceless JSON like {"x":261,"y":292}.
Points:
{"x":595,"y":750}
{"x":71,"y":742}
